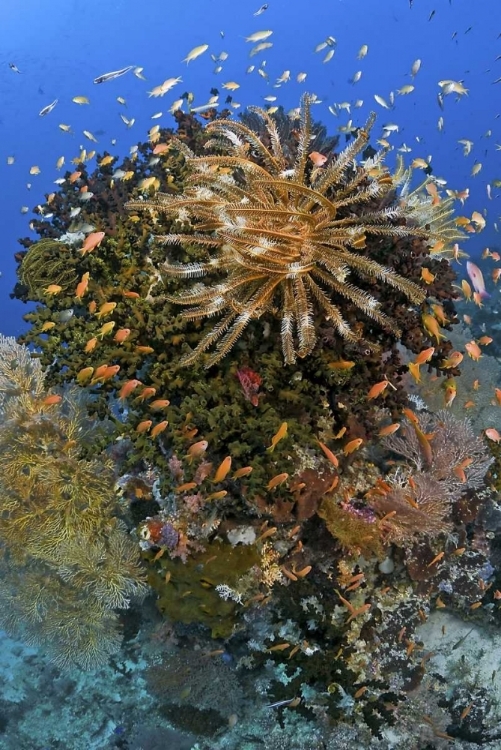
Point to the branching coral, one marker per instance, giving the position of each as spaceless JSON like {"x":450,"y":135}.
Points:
{"x":66,"y":562}
{"x":286,"y":235}
{"x":446,"y":459}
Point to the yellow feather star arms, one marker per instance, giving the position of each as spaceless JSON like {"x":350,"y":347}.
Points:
{"x":281,"y":236}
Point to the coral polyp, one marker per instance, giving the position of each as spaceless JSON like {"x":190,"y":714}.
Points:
{"x":285,"y":237}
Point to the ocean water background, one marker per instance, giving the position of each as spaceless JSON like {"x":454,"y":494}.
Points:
{"x":60,"y":46}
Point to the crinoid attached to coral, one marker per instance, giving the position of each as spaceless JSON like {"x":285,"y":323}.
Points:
{"x":287,"y":238}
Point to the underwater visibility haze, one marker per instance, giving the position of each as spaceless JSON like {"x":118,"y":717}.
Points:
{"x":250,"y":375}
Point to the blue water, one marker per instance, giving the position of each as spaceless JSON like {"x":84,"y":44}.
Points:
{"x":61,"y":46}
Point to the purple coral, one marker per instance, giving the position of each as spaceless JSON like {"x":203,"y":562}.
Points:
{"x":168,"y":537}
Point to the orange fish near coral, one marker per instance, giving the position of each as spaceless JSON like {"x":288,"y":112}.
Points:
{"x":427,"y":276}
{"x":147,"y":393}
{"x":160,"y":403}
{"x":92,"y":241}
{"x":53,"y":289}
{"x":106,"y":328}
{"x":197,"y":450}
{"x":493,"y":434}
{"x":222,"y":470}
{"x":281,"y":433}
{"x":275,"y":481}
{"x":389,"y":429}
{"x":127,"y":388}
{"x":317,"y":158}
{"x":414,"y":371}
{"x":377,"y":389}
{"x":431,"y":326}
{"x":352,"y":446}
{"x":453,"y":360}
{"x":243,"y":472}
{"x":158,"y":428}
{"x":341,"y":364}
{"x":85,"y":374}
{"x":473,"y":350}
{"x":121,"y":335}
{"x":450,"y":391}
{"x":82,"y":286}
{"x":52,"y":399}
{"x":329,"y":454}
{"x":106,"y":309}
{"x":439,"y":313}
{"x":144,"y":426}
{"x":90,"y":345}
{"x":424,"y":356}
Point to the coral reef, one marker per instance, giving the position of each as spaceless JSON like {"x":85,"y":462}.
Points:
{"x":272,"y":514}
{"x":67,"y":560}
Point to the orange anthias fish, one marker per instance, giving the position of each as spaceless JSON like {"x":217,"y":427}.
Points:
{"x":106,"y":309}
{"x":497,"y":392}
{"x":160,"y":403}
{"x":450,"y":391}
{"x":424,"y":356}
{"x":431,"y":326}
{"x":473,"y":350}
{"x":222,"y":470}
{"x":85,"y":374}
{"x":427,"y":276}
{"x":121,"y":335}
{"x":127,"y":388}
{"x":317,"y":158}
{"x":453,"y":360}
{"x":92,"y":241}
{"x":275,"y":481}
{"x":377,"y":389}
{"x":106,"y":328}
{"x":144,"y":426}
{"x":352,"y":446}
{"x":389,"y":429}
{"x":82,"y":286}
{"x":493,"y":434}
{"x":329,"y":454}
{"x":466,"y":289}
{"x":439,"y":313}
{"x":281,"y":433}
{"x":90,"y":345}
{"x":414,"y":371}
{"x":158,"y":428}
{"x":53,"y":289}
{"x":197,"y":450}
{"x":146,"y":393}
{"x":52,"y":399}
{"x":243,"y":472}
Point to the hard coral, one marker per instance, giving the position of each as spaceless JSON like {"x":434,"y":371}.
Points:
{"x":285,"y":234}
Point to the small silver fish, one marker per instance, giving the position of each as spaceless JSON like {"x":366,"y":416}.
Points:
{"x":48,"y":108}
{"x":114,"y":74}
